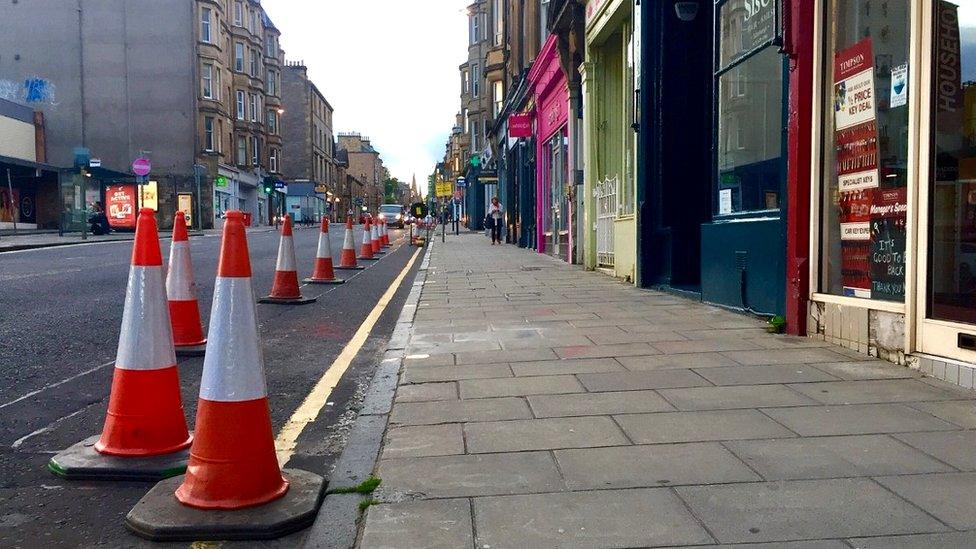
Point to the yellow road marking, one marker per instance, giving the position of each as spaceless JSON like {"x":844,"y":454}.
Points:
{"x":316,"y":399}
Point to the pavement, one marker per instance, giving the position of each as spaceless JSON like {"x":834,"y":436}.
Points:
{"x":59,"y":328}
{"x":540,"y":405}
{"x":31,"y":240}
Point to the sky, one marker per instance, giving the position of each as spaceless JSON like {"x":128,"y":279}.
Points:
{"x":389,"y":68}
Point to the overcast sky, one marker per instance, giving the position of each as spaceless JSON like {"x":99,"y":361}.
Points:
{"x":388,"y":67}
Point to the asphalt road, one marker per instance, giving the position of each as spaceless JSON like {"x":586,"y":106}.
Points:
{"x":60,"y":314}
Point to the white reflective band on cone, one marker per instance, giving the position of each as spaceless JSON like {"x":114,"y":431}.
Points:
{"x":347,"y":241}
{"x":325,"y":247}
{"x":146,"y":339}
{"x":233,"y":369}
{"x":179,"y":277}
{"x":367,"y":236}
{"x":286,"y":255}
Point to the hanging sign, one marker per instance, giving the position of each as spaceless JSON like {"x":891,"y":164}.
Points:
{"x":520,"y":125}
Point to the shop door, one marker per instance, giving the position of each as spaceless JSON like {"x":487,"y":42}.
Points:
{"x":947,"y":201}
{"x":557,"y":196}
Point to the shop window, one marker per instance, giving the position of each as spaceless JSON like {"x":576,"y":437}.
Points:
{"x":952,"y":188}
{"x":863,"y":187}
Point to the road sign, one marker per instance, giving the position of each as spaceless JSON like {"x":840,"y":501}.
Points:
{"x":279,"y":184}
{"x":95,"y":163}
{"x":141,"y":166}
{"x":184,"y":203}
{"x":462,"y":182}
{"x":358,"y":201}
{"x":418,"y":209}
{"x":444,"y":188}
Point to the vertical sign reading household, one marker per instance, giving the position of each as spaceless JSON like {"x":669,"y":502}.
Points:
{"x":856,"y":139}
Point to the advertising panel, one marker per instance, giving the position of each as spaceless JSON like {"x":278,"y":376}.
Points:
{"x":184,"y":203}
{"x":120,"y":206}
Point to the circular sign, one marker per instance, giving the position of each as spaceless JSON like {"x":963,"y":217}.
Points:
{"x":141,"y":166}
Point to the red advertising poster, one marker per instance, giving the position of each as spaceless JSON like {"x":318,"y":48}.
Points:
{"x":120,"y":206}
{"x":856,"y":141}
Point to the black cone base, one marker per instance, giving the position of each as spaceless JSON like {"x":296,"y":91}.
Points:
{"x":82,"y":462}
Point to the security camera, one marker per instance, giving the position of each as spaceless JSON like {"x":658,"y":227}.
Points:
{"x":686,"y":11}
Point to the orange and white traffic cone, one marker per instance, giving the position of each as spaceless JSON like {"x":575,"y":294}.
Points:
{"x":233,"y":465}
{"x":386,"y":234}
{"x":347,"y":257}
{"x":184,"y":309}
{"x":384,"y":240}
{"x":144,"y":436}
{"x":324,"y":273}
{"x":285,"y":290}
{"x":366,"y":251}
{"x":375,"y":239}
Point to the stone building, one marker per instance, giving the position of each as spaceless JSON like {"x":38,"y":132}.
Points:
{"x":366,"y":166}
{"x":211,"y":132}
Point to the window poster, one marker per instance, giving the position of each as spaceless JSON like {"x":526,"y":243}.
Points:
{"x":888,"y":238}
{"x":856,"y":139}
{"x":120,"y":206}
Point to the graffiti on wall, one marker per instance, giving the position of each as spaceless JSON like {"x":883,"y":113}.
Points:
{"x":29,"y":91}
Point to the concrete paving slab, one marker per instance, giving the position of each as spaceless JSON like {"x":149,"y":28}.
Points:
{"x":542,"y":434}
{"x":635,"y":381}
{"x":668,"y":427}
{"x":611,"y":518}
{"x":765,"y":374}
{"x":716,"y":333}
{"x":735,"y":396}
{"x":803,"y":510}
{"x":472,"y":475}
{"x":814,"y":544}
{"x":571,"y":366}
{"x":423,"y":440}
{"x":424,"y":392}
{"x":957,"y":448}
{"x":626,"y":337}
{"x":873,"y":391}
{"x":496,"y":357}
{"x":425,"y":359}
{"x":940,"y":494}
{"x":651,"y":466}
{"x":704,"y":346}
{"x":501,"y":387}
{"x":947,"y":540}
{"x":605,"y":351}
{"x":590,"y":404}
{"x":833,"y":457}
{"x":668,"y":362}
{"x":857,"y":370}
{"x":435,"y":524}
{"x":856,"y":419}
{"x":784,"y":356}
{"x":455,"y":373}
{"x":459,"y":411}
{"x":960,"y":412}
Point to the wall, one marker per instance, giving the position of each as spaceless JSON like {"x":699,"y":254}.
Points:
{"x":754,"y":245}
{"x":296,"y":124}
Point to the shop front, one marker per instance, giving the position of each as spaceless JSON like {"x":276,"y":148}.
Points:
{"x":554,"y":206}
{"x":894,"y":182}
{"x":608,"y":78}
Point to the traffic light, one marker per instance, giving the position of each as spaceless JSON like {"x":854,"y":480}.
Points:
{"x":268,"y":184}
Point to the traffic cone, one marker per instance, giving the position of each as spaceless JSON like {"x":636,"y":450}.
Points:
{"x":233,"y":465}
{"x":384,"y":238}
{"x":184,"y":309}
{"x":324,"y":272}
{"x":375,"y":239}
{"x":366,"y":251}
{"x":285,"y":290}
{"x":347,"y":257}
{"x":144,"y":436}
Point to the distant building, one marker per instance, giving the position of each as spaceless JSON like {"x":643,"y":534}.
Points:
{"x":366,"y":166}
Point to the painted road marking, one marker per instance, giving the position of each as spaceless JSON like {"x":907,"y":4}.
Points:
{"x":317,"y":398}
{"x":53,"y":385}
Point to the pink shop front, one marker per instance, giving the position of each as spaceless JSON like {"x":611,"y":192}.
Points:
{"x":554,"y":191}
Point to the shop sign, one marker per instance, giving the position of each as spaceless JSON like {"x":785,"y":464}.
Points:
{"x":184,"y":203}
{"x":755,"y":21}
{"x":949,"y":98}
{"x":854,"y":97}
{"x":889,"y":214}
{"x":120,"y":206}
{"x":520,"y":125}
{"x":899,"y":86}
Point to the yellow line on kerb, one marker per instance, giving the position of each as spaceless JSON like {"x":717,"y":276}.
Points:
{"x":313,"y":403}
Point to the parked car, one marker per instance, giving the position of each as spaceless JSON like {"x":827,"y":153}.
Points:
{"x":392,"y":214}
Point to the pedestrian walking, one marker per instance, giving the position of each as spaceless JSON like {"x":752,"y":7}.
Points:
{"x":494,"y":217}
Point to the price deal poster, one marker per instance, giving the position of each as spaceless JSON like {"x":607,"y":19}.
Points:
{"x":856,"y":140}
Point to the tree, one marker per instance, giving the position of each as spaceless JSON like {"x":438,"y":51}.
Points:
{"x":391,"y":191}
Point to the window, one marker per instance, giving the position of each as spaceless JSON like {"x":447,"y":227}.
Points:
{"x":465,"y":81}
{"x":543,"y":20}
{"x":273,"y":161}
{"x":205,"y":15}
{"x":498,"y":22}
{"x":239,"y":13}
{"x":498,"y":97}
{"x":865,"y":152}
{"x":253,"y":99}
{"x":272,"y":121}
{"x":241,"y":112}
{"x":239,"y":56}
{"x":475,"y":80}
{"x":271,"y":46}
{"x":255,"y":26}
{"x":242,"y":151}
{"x":254,"y":63}
{"x":255,"y":151}
{"x":272,"y":83}
{"x":209,"y":89}
{"x":208,"y":134}
{"x":473,"y":132}
{"x":474,"y":30}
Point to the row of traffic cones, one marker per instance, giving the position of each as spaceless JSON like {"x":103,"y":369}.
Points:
{"x":233,"y":487}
